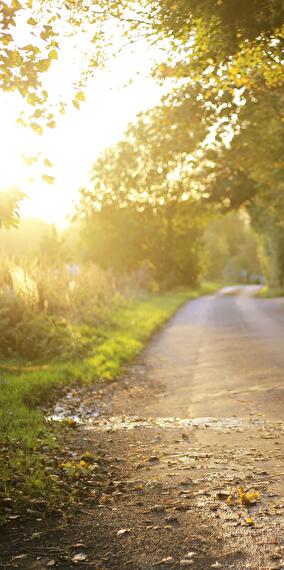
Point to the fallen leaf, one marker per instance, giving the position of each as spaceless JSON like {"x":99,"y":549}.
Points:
{"x":123,"y":531}
{"x":248,"y":498}
{"x":153,"y":459}
{"x":158,"y":509}
{"x":88,"y":457}
{"x":80,"y":557}
{"x":71,"y":422}
{"x":36,"y":535}
{"x":168,"y":560}
{"x":171,"y":520}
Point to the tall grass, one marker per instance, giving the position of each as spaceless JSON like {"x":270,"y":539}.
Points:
{"x":42,"y":305}
{"x":26,"y":388}
{"x":57,"y":328}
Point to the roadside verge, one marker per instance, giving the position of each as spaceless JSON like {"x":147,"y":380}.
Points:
{"x":27,"y":438}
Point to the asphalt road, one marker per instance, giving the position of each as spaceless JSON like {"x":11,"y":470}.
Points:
{"x":195,"y":425}
{"x":206,"y":399}
{"x":222,"y":355}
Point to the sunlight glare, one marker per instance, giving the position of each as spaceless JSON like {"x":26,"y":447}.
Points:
{"x":112,"y":101}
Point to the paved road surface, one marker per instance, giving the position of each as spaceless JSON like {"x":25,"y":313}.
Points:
{"x":198,"y":417}
{"x":222,"y":355}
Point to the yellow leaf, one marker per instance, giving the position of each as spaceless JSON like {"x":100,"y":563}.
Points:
{"x":32,"y":22}
{"x":17,"y":5}
{"x":30,"y":159}
{"x":248,"y":498}
{"x":76,"y":104}
{"x":80,"y":96}
{"x":88,"y":457}
{"x":252,"y":497}
{"x":32,"y":99}
{"x":62,"y":108}
{"x":43,"y":64}
{"x":53,"y":54}
{"x":6,"y":39}
{"x":49,"y":164}
{"x":30,"y":47}
{"x":50,"y":180}
{"x":250,"y":521}
{"x":51,"y":124}
{"x":20,"y":121}
{"x":37,"y":128}
{"x":70,"y":421}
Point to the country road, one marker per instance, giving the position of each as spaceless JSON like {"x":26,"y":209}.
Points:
{"x":221,"y":355}
{"x":194,"y":426}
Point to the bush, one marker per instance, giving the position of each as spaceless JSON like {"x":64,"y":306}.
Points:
{"x":48,"y":311}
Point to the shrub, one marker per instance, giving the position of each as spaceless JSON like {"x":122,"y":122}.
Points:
{"x":48,"y":311}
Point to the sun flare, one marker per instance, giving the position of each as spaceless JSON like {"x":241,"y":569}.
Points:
{"x":112,"y":101}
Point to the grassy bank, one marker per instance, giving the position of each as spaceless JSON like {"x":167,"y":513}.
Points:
{"x":25,"y":388}
{"x":270,"y":293}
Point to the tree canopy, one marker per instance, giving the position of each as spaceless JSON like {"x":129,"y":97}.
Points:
{"x":216,"y":139}
{"x":206,"y":143}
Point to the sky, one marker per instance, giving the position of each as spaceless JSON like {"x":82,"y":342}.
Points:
{"x":111,"y":103}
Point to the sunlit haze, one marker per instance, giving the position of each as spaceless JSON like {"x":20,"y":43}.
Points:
{"x":113,"y":98}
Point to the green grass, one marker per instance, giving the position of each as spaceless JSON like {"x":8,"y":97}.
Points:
{"x":270,"y":293}
{"x":25,"y":388}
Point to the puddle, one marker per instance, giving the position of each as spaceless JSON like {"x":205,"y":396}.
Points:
{"x":61,"y":413}
{"x":79,"y":407}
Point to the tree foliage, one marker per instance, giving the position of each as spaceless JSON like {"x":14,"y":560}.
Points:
{"x":9,"y":207}
{"x":206,"y":141}
{"x":205,"y":144}
{"x":232,"y":249}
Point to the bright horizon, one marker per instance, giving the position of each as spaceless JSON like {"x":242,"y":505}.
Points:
{"x":79,"y":137}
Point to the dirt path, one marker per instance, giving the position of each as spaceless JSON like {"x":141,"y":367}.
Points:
{"x":199,"y":416}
